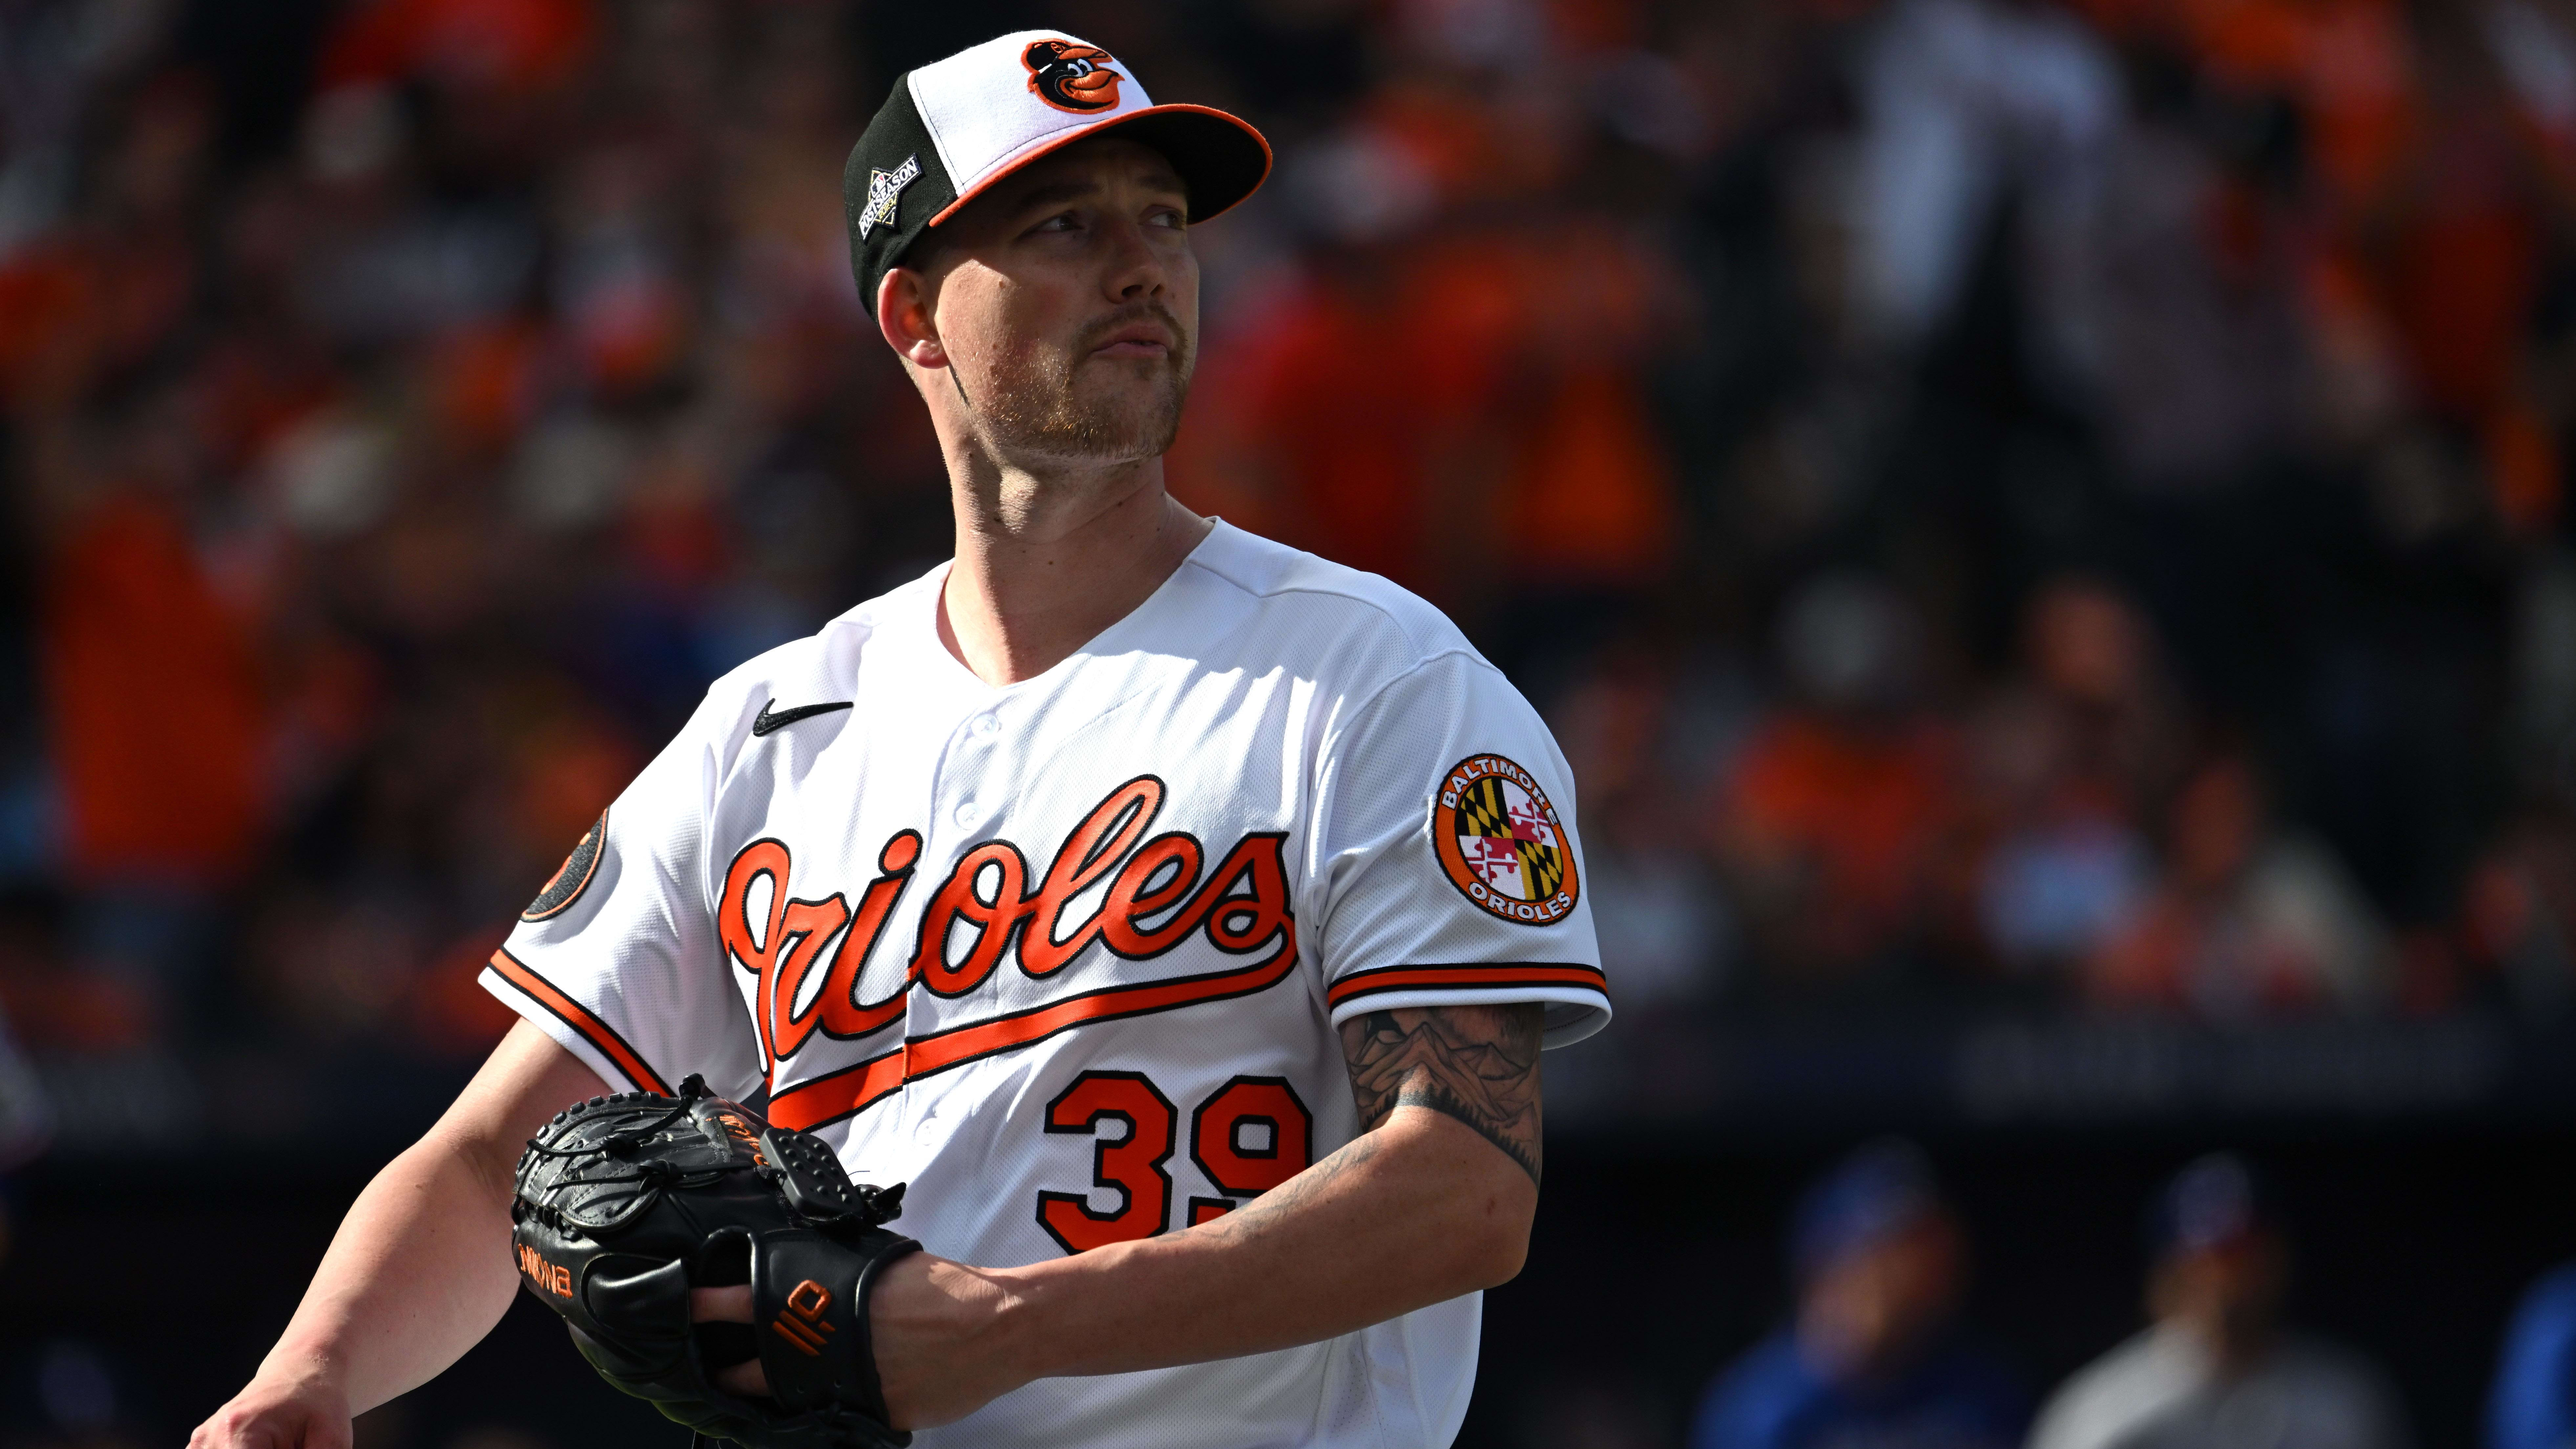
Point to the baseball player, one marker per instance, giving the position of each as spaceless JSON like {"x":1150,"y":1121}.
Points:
{"x":1179,"y":914}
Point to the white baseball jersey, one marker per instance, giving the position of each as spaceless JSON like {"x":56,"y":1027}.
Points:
{"x":1068,"y":955}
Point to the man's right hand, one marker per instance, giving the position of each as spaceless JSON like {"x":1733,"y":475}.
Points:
{"x":311,"y":1413}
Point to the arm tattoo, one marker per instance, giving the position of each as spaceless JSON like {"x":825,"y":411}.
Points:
{"x":1262,"y":1215}
{"x":1478,"y":1064}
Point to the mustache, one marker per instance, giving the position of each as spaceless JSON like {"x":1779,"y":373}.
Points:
{"x":1098,"y":332}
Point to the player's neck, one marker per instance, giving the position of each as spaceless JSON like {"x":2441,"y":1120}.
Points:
{"x":1044,"y":565}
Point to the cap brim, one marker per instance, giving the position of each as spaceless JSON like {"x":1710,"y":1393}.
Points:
{"x":1221,"y":158}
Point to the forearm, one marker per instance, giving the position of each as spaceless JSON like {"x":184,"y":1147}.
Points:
{"x":1432,"y":1200}
{"x":1416,"y":1212}
{"x":418,"y":1273}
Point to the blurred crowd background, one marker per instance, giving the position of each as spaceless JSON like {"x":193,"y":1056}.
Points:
{"x":2041,"y":525}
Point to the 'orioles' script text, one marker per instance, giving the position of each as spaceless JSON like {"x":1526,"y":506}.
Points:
{"x":1159,"y":893}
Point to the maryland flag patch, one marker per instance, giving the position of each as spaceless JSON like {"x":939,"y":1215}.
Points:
{"x":1501,"y":843}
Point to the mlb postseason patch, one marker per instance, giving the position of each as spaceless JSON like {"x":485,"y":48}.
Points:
{"x":1501,"y":843}
{"x":885,"y":190}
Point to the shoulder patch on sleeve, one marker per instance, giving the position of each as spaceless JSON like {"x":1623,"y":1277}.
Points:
{"x":569,"y":881}
{"x":1501,"y":844}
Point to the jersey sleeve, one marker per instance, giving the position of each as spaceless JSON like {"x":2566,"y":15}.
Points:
{"x":617,"y":958}
{"x":1445,"y":853}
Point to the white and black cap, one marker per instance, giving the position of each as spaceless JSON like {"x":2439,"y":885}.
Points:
{"x":956,"y":126}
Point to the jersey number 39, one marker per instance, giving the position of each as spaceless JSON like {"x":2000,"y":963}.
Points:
{"x":1249,"y":1136}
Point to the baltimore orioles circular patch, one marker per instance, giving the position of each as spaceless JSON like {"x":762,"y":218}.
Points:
{"x":574,"y":874}
{"x":1501,"y":842}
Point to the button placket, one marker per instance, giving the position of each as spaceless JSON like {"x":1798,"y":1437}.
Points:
{"x":978,"y":732}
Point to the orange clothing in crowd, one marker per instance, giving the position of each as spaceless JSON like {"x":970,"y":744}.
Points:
{"x":514,"y":45}
{"x":77,"y":303}
{"x":2464,"y":272}
{"x":2347,"y":63}
{"x":1865,"y":808}
{"x":47,"y":298}
{"x":1353,"y":403}
{"x":1456,"y":420}
{"x":1593,"y":501}
{"x":153,"y":705}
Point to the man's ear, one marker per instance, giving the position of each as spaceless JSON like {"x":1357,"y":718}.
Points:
{"x":904,"y":315}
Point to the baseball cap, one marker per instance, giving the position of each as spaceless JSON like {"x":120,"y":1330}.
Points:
{"x":2213,"y":1203}
{"x":954,"y":127}
{"x":1879,"y":1190}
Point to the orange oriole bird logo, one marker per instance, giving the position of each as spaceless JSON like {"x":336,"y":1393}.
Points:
{"x":1071,"y":76}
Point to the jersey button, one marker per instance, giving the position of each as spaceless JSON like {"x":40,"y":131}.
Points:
{"x":985,"y":724}
{"x":965,"y":814}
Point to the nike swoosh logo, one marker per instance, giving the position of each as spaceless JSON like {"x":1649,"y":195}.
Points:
{"x":768,"y":719}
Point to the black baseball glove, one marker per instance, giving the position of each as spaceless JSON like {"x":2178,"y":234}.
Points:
{"x":625,"y":1203}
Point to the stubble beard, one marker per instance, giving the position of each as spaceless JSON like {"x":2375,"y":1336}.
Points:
{"x":1065,"y":407}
